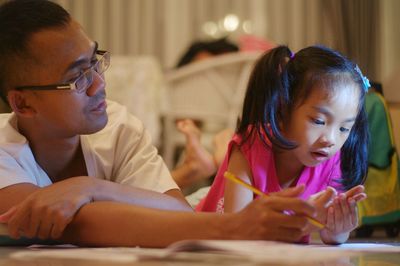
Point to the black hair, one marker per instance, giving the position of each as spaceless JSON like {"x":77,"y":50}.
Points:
{"x":281,"y":80}
{"x":377,"y":86}
{"x":217,"y":47}
{"x":19,"y":19}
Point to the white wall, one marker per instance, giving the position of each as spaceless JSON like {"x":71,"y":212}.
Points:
{"x":164,"y":28}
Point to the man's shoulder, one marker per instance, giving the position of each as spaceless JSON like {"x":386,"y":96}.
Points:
{"x":5,"y":119}
{"x":8,"y":127}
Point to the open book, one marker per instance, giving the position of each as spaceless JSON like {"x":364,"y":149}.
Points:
{"x":5,"y":240}
{"x":254,"y":251}
{"x":215,"y":250}
{"x":277,"y":252}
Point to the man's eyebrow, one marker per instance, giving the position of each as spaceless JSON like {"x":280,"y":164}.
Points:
{"x":330,"y":114}
{"x":82,"y":61}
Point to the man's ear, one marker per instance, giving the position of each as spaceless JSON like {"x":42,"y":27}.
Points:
{"x":19,"y":103}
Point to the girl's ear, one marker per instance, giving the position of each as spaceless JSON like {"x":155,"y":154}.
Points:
{"x":19,"y":103}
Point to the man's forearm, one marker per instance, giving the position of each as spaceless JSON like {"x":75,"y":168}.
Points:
{"x":116,"y":224}
{"x":110,"y":191}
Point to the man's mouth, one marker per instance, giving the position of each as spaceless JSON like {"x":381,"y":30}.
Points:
{"x":100,"y":107}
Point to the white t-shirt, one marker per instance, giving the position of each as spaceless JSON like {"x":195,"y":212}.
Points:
{"x":121,"y":152}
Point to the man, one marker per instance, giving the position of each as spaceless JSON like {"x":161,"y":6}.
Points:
{"x":75,"y":170}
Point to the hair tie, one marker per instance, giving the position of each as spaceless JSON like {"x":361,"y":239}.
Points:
{"x":364,"y":79}
{"x":291,"y":55}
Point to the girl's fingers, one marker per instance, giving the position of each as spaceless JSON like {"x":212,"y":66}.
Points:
{"x":353,"y":212}
{"x":344,"y":205}
{"x":359,"y":197}
{"x":354,"y":191}
{"x":326,"y":198}
{"x":330,"y":220}
{"x":346,"y":213}
{"x":338,"y":217}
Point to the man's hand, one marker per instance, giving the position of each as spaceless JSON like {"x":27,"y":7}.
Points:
{"x":267,"y":218}
{"x":46,"y":212}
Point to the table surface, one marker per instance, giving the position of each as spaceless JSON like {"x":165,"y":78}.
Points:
{"x":8,"y":257}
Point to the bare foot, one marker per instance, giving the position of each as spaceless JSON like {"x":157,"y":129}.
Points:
{"x":197,"y":158}
{"x":221,"y":141}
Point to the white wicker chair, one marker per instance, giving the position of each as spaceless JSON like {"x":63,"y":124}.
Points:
{"x":210,"y":91}
{"x":137,"y":83}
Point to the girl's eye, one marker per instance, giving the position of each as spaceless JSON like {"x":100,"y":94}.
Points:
{"x":344,"y":130}
{"x":318,"y":121}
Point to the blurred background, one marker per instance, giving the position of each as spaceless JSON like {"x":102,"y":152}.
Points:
{"x":365,"y":30}
{"x":147,"y":38}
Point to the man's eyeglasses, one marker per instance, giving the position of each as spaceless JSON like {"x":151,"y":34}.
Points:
{"x":84,"y":81}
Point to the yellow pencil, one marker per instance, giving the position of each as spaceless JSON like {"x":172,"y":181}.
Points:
{"x":237,"y":180}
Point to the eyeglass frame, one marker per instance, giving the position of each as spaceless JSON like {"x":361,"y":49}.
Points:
{"x":105,"y":55}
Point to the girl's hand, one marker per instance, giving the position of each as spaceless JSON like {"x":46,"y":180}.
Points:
{"x":342,"y":216}
{"x":321,"y":201}
{"x":356,"y":193}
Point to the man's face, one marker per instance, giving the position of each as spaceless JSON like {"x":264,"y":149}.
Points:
{"x":60,"y":56}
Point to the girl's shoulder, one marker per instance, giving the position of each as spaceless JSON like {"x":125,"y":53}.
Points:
{"x":253,"y":135}
{"x":251,"y":146}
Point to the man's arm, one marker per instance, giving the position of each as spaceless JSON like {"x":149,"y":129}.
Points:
{"x":45,"y":212}
{"x":15,"y":194}
{"x":116,"y":224}
{"x":110,"y":191}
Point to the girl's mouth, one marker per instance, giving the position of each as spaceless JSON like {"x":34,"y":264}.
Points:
{"x":320,"y":155}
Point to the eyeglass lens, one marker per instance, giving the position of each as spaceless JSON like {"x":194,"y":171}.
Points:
{"x":86,"y":80}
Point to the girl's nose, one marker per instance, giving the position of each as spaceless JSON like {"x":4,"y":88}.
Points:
{"x":328,"y":139}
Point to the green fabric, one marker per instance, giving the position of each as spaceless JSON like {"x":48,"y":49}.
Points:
{"x":385,"y":218}
{"x":382,"y":184}
{"x":380,"y":147}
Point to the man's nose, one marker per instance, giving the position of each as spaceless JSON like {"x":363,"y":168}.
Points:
{"x":97,"y":84}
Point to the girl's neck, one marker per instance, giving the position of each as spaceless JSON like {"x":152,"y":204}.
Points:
{"x":288,"y":168}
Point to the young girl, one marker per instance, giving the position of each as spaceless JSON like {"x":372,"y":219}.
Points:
{"x":303,"y":123}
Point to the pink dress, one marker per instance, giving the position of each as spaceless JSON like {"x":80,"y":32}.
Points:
{"x":261,"y":161}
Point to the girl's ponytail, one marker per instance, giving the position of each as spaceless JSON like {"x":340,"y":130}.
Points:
{"x":266,"y":93}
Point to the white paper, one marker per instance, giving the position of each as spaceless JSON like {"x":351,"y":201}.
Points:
{"x":277,"y":252}
{"x":256,"y":251}
{"x":93,"y":254}
{"x":262,"y":251}
{"x":362,"y":247}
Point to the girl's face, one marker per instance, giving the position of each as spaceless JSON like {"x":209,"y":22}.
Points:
{"x":321,"y":124}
